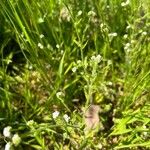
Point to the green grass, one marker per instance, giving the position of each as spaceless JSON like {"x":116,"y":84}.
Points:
{"x":62,"y":56}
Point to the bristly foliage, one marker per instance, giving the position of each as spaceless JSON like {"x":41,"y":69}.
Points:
{"x":57,"y":58}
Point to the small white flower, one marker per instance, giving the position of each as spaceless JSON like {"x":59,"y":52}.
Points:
{"x":40,"y":20}
{"x":57,"y":46}
{"x":79,"y":61}
{"x":30,"y":123}
{"x":91,"y":13}
{"x":99,"y":146}
{"x":62,"y":51}
{"x":110,"y":83}
{"x":65,"y":14}
{"x":128,"y":27}
{"x":48,"y":66}
{"x":22,"y":35}
{"x":16,"y":139}
{"x":7,"y":131}
{"x":55,"y":114}
{"x":40,"y":46}
{"x":8,"y":146}
{"x":74,"y":69}
{"x":58,"y":94}
{"x":106,"y":30}
{"x":107,"y":6}
{"x":127,"y":2}
{"x":30,"y":67}
{"x":123,"y":4}
{"x":41,"y":36}
{"x":109,"y":62}
{"x":79,"y":13}
{"x":128,"y":51}
{"x":125,"y":36}
{"x":102,"y":25}
{"x":127,"y":46}
{"x":48,"y":46}
{"x":114,"y":34}
{"x":145,"y":133}
{"x":98,"y":58}
{"x":133,"y":41}
{"x":144,"y":33}
{"x":66,"y":117}
{"x":93,"y":58}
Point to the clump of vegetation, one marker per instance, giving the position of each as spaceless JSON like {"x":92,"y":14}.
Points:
{"x":63,"y":62}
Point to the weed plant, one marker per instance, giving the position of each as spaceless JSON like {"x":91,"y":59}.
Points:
{"x":59,"y":57}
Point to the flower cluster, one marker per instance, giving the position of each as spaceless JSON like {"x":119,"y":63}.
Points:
{"x":65,"y":15}
{"x":59,"y":94}
{"x":114,"y":34}
{"x":55,"y":114}
{"x":7,"y":131}
{"x":66,"y":117}
{"x":40,"y":46}
{"x":96,"y":59}
{"x":14,"y":140}
{"x":124,"y":4}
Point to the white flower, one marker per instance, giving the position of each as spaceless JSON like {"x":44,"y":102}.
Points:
{"x":58,"y":94}
{"x":40,"y":46}
{"x":79,"y":62}
{"x":102,"y":25}
{"x":65,"y":14}
{"x":7,"y":131}
{"x":110,"y":83}
{"x":109,"y":62}
{"x":55,"y":114}
{"x":144,"y":33}
{"x":144,"y":133}
{"x":30,"y":67}
{"x":125,"y":36}
{"x":30,"y":123}
{"x":99,"y":146}
{"x":16,"y":139}
{"x":66,"y":117}
{"x":107,"y":6}
{"x":98,"y":58}
{"x":123,"y":4}
{"x":91,"y":13}
{"x":128,"y":27}
{"x":8,"y":146}
{"x":127,"y":46}
{"x":112,"y":34}
{"x":48,"y":46}
{"x":41,"y":36}
{"x":62,"y":51}
{"x":57,"y":46}
{"x":93,"y":58}
{"x":22,"y":35}
{"x":74,"y":69}
{"x":133,"y":41}
{"x":79,"y":13}
{"x":40,"y":20}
